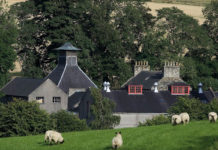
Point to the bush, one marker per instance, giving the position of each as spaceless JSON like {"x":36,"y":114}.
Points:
{"x":66,"y":121}
{"x":194,"y":107}
{"x":102,"y":111}
{"x":157,"y":120}
{"x":22,"y":118}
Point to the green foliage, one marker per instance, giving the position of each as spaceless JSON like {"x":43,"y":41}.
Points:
{"x":102,"y":111}
{"x":8,"y":35}
{"x":22,"y":118}
{"x":183,"y":33}
{"x":157,"y":120}
{"x":66,"y":121}
{"x":194,"y":107}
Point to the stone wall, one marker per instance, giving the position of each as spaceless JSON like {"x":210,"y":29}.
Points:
{"x":133,"y":119}
{"x":48,"y":90}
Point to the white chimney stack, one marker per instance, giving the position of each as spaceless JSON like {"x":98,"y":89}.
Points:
{"x":105,"y":85}
{"x":200,"y":90}
{"x":155,"y":87}
{"x":108,"y":87}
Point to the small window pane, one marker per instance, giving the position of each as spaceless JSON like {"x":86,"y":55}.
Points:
{"x":186,"y":90}
{"x":56,"y":100}
{"x":40,"y":100}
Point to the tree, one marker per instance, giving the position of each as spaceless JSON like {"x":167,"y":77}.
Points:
{"x":102,"y":111}
{"x":22,"y":118}
{"x":184,"y":35}
{"x":8,"y":35}
{"x":211,"y":14}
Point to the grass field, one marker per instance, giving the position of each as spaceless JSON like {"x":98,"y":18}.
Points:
{"x":199,"y":135}
{"x":185,"y":2}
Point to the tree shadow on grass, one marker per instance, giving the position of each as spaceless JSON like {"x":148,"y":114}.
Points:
{"x":201,"y":143}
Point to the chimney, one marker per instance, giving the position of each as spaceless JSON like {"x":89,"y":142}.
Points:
{"x":172,"y":69}
{"x":141,"y":66}
{"x":200,"y":90}
{"x":68,"y":54}
{"x":155,"y":87}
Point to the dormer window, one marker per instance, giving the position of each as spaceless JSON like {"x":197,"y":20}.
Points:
{"x":180,"y":90}
{"x":135,"y":89}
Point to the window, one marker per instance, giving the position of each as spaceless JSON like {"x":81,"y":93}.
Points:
{"x":40,"y":100}
{"x":180,"y":90}
{"x":135,"y":89}
{"x":56,"y":100}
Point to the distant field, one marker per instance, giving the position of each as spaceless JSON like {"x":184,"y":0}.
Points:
{"x":194,"y":11}
{"x":200,"y":135}
{"x":185,"y":2}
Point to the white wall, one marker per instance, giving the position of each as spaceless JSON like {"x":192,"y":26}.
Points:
{"x":133,"y":119}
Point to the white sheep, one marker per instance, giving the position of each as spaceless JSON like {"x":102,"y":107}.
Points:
{"x":53,"y":136}
{"x":212,"y":116}
{"x":176,"y":119}
{"x":185,"y":118}
{"x":117,"y":141}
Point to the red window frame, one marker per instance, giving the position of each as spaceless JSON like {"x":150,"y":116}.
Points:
{"x":180,"y":90}
{"x":135,"y":89}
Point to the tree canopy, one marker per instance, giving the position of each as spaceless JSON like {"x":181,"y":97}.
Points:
{"x":113,"y":34}
{"x":8,"y":35}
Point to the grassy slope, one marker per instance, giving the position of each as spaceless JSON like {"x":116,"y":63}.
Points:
{"x":196,"y":136}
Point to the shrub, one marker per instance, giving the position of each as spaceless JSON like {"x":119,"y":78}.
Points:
{"x":157,"y":120}
{"x":194,"y":107}
{"x":66,"y":121}
{"x":22,"y":118}
{"x":102,"y":111}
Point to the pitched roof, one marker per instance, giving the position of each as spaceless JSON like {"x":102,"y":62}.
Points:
{"x":66,"y":77}
{"x":21,"y":86}
{"x":149,"y":102}
{"x":74,"y":100}
{"x":67,"y":47}
{"x":145,"y":78}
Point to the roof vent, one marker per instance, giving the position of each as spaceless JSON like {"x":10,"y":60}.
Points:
{"x":200,"y":90}
{"x":105,"y":85}
{"x":108,"y":87}
{"x":155,"y":87}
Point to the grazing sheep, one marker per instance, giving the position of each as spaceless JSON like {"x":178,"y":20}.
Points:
{"x":117,"y":141}
{"x":212,"y":116}
{"x":185,"y":118}
{"x":176,"y":119}
{"x":54,"y":136}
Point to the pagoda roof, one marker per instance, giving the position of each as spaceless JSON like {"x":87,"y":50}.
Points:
{"x":67,"y":47}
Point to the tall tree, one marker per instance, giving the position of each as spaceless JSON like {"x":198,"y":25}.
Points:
{"x":8,"y":35}
{"x":211,"y":23}
{"x":87,"y":24}
{"x":184,"y":34}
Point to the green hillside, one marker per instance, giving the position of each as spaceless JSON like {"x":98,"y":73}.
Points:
{"x":200,"y":135}
{"x":185,"y":2}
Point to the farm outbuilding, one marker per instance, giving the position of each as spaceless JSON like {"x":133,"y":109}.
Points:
{"x":146,"y":94}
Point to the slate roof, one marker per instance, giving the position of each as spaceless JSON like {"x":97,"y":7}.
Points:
{"x":66,"y":77}
{"x":145,"y":78}
{"x":180,"y":84}
{"x":21,"y":86}
{"x":74,"y":100}
{"x":67,"y":47}
{"x":149,"y":102}
{"x":205,"y":97}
